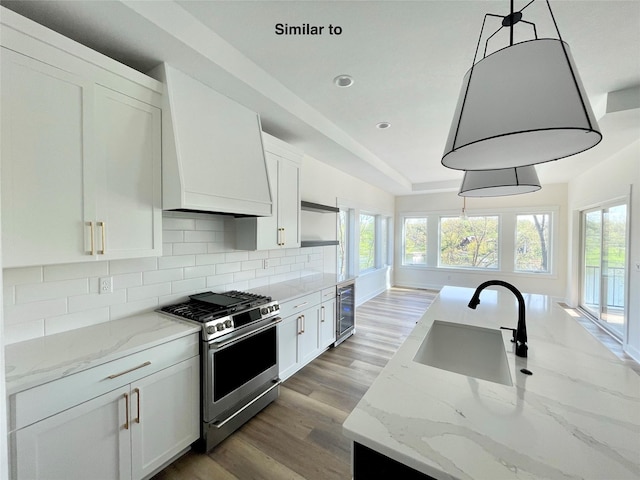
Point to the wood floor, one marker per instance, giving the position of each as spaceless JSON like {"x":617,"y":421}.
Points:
{"x":299,"y":436}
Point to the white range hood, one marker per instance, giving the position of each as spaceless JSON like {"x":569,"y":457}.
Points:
{"x":212,"y":159}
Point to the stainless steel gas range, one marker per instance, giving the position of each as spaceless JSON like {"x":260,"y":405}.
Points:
{"x":239,"y":358}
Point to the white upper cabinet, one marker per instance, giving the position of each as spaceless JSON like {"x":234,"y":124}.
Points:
{"x":282,"y":229}
{"x":81,"y":152}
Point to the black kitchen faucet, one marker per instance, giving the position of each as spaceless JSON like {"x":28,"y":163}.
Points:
{"x":520,"y":333}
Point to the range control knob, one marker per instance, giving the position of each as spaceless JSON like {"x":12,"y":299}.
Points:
{"x":228,"y":323}
{"x":211,"y":330}
{"x":220,"y":326}
{"x":264,"y":310}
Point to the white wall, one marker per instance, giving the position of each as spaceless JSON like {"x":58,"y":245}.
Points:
{"x":552,"y":196}
{"x":4,"y":454}
{"x":324,"y":184}
{"x":613,"y":178}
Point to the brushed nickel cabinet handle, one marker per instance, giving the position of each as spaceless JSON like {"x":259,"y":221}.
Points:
{"x":303,"y":323}
{"x":322,"y":313}
{"x":92,"y":239}
{"x":104,"y":237}
{"x":301,"y":305}
{"x":284,"y":237}
{"x":126,"y":406}
{"x":116,"y":375}
{"x":137,"y":392}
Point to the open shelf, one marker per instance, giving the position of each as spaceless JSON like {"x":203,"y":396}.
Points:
{"x":317,"y":207}
{"x":318,"y":243}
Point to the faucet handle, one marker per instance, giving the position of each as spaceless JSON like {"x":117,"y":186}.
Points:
{"x":513,"y":330}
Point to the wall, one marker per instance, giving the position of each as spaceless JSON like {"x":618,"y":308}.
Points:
{"x":329,"y":186}
{"x":616,"y":177}
{"x":551,"y":196}
{"x":198,"y":255}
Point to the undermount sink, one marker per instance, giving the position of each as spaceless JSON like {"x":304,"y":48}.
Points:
{"x":466,"y":349}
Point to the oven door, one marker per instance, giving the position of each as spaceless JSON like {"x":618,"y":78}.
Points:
{"x":236,"y":369}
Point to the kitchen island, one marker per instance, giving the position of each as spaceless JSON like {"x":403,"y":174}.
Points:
{"x":577,"y":416}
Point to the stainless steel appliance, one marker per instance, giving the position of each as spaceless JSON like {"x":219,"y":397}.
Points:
{"x":239,"y":358}
{"x":345,"y":311}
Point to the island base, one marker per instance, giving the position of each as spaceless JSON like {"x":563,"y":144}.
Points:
{"x":368,"y":463}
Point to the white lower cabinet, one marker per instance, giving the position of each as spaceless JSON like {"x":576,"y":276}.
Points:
{"x":308,"y":328}
{"x":127,"y":433}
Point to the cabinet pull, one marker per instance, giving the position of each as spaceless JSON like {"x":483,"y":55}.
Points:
{"x":299,"y":320}
{"x":104,"y":237}
{"x":322,"y":313}
{"x":137,"y":392}
{"x":126,"y":406}
{"x":301,"y":305}
{"x":302,"y":323}
{"x":284,"y":237}
{"x":92,"y":239}
{"x":116,"y":375}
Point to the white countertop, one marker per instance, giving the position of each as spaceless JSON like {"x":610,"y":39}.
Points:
{"x":34,"y":362}
{"x":577,"y":416}
{"x":292,"y":289}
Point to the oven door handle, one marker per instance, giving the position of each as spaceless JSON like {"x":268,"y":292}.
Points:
{"x":221,"y":345}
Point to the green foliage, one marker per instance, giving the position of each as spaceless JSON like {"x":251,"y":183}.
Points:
{"x":469,"y":242}
{"x":367,"y":241}
{"x":415,"y":241}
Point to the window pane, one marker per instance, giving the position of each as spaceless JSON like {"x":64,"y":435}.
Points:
{"x":343,"y":222}
{"x":532,"y":243}
{"x":384,"y":240}
{"x":470,"y":242}
{"x":415,"y":241}
{"x":367,"y":241}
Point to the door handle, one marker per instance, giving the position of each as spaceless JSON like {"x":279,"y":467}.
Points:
{"x":92,"y":250}
{"x":302,"y":323}
{"x":137,"y":392}
{"x":104,"y":237}
{"x":126,"y":407}
{"x":322,"y":313}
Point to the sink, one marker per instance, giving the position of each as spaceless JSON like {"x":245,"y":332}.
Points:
{"x":466,"y":349}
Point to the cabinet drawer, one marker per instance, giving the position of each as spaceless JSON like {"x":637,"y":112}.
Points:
{"x":293,"y":307}
{"x":328,"y":293}
{"x":50,"y":398}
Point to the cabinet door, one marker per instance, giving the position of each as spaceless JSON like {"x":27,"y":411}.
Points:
{"x":288,"y":331}
{"x":327,"y":323}
{"x":89,"y":440}
{"x":45,"y":115}
{"x":165,"y":415}
{"x":289,"y":203}
{"x":129,"y":210}
{"x":308,"y":339}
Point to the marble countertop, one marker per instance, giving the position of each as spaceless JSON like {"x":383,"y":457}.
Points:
{"x":577,"y":416}
{"x":292,"y":289}
{"x":34,"y":362}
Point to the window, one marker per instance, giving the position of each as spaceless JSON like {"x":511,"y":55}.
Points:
{"x":415,"y":241}
{"x":532,"y":243}
{"x":384,"y":241}
{"x":367,"y":247}
{"x":470,"y":242}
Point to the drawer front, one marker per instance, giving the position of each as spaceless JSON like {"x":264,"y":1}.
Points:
{"x":296,"y":306}
{"x":328,"y":293}
{"x":40,"y":402}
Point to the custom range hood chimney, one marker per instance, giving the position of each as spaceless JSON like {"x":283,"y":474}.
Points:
{"x":213,"y":159}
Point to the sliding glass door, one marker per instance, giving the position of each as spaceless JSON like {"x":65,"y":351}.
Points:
{"x":604,"y":261}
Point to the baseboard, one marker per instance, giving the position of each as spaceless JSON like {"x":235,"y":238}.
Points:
{"x":371,"y":295}
{"x":632,"y":352}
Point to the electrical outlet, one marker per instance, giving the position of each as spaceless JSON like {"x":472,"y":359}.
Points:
{"x":265,"y":263}
{"x":106,"y":285}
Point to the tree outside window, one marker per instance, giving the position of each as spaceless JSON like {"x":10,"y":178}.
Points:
{"x":367,"y":247}
{"x":532,"y":243}
{"x":415,"y":241}
{"x":470,"y":242}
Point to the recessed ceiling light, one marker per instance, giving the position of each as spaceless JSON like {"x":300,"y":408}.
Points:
{"x":343,"y":81}
{"x":383,"y":125}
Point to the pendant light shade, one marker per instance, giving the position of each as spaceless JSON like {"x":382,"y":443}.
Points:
{"x":521,"y":105}
{"x":498,"y":183}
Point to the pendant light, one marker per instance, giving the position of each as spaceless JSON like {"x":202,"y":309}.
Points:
{"x":498,"y":183}
{"x":521,"y":105}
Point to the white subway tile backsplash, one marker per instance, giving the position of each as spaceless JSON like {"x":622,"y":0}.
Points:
{"x":27,"y":312}
{"x":148,"y":291}
{"x":162,"y":276}
{"x":75,"y":270}
{"x":18,"y":276}
{"x":198,"y":255}
{"x":132,"y":265}
{"x":71,"y":321}
{"x":96,"y":300}
{"x":189,"y":248}
{"x":51,"y":290}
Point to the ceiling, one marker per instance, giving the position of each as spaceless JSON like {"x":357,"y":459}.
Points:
{"x":407,"y":59}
